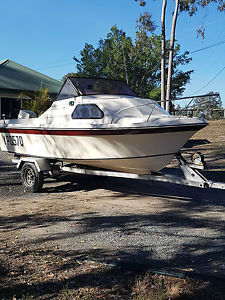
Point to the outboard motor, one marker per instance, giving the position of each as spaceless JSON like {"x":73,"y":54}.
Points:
{"x":26,"y":114}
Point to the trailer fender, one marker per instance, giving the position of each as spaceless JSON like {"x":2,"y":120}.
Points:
{"x":41,"y":164}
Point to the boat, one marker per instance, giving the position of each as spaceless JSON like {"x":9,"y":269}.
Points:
{"x":100,"y":123}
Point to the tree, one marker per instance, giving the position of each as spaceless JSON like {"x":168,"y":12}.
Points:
{"x":137,"y":63}
{"x":39,"y":101}
{"x":111,"y":59}
{"x":191,"y":6}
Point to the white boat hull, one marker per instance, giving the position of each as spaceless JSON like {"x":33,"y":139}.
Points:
{"x":138,"y":151}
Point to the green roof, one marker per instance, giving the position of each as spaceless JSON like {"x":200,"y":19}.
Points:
{"x":15,"y":77}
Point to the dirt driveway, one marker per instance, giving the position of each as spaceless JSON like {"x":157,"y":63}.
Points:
{"x":135,"y":223}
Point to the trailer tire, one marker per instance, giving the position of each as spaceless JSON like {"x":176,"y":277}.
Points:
{"x":32,"y":180}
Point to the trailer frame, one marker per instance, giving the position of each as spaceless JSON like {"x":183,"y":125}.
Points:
{"x":38,"y":167}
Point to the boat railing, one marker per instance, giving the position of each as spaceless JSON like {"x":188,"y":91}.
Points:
{"x":179,"y":114}
{"x":133,"y":107}
{"x":197,"y":109}
{"x":190,"y":105}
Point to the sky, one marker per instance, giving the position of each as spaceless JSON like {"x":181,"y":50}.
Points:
{"x":45,"y":35}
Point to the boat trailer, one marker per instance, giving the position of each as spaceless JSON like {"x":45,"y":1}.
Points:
{"x":34,"y":170}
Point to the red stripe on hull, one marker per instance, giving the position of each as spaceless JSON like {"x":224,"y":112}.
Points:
{"x":91,"y":132}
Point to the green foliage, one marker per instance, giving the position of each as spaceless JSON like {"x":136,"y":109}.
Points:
{"x":192,"y":6}
{"x":39,"y":101}
{"x":137,"y":63}
{"x":145,"y":23}
{"x":142,"y":2}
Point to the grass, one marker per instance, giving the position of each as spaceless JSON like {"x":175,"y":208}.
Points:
{"x":214,"y":132}
{"x":46,"y":274}
{"x":210,"y":141}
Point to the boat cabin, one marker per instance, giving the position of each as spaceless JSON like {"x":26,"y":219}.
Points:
{"x":112,"y":101}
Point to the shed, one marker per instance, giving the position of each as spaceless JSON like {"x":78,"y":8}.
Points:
{"x":16,"y":79}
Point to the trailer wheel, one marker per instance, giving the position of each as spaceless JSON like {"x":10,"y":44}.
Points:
{"x":32,"y":180}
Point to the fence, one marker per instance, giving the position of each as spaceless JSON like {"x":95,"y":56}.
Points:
{"x":209,"y":114}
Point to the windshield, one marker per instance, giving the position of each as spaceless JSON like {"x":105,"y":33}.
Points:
{"x":67,"y":91}
{"x":89,"y":86}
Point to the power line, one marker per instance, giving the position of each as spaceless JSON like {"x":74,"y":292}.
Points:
{"x":55,"y":66}
{"x":211,"y":80}
{"x":208,"y":47}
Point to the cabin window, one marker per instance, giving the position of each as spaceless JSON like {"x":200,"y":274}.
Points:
{"x":87,"y":111}
{"x":91,"y":86}
{"x":67,"y":91}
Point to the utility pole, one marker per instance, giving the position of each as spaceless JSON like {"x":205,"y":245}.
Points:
{"x":171,"y":50}
{"x":163,"y":58}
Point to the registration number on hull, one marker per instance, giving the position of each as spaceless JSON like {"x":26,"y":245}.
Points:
{"x":13,"y":140}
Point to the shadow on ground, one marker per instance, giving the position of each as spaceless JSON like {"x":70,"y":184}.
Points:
{"x":47,"y":272}
{"x":71,"y":183}
{"x":67,"y":275}
{"x":196,"y":142}
{"x":32,"y":268}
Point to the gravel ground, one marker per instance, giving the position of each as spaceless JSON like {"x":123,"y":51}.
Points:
{"x":154,"y":225}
